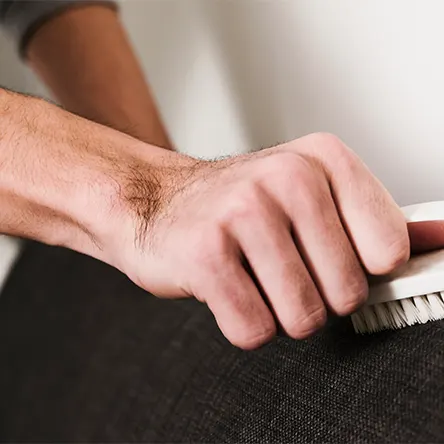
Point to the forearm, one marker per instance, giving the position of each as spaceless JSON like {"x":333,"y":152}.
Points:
{"x":67,"y":181}
{"x":85,"y":58}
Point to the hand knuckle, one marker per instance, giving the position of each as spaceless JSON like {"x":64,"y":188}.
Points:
{"x":306,"y":324}
{"x":354,"y":296}
{"x":328,"y":141}
{"x":290,"y":172}
{"x":242,"y":204}
{"x":282,"y":159}
{"x":396,"y":254}
{"x":274,"y":164}
{"x":239,"y":301}
{"x":252,"y":338}
{"x":210,"y":249}
{"x":335,"y":149}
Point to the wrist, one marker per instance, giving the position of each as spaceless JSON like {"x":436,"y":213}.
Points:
{"x":70,"y":182}
{"x":56,"y":178}
{"x":144,"y":182}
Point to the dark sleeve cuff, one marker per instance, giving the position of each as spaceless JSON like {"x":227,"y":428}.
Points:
{"x":22,"y":18}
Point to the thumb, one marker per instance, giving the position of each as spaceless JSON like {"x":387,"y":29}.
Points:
{"x":426,"y":236}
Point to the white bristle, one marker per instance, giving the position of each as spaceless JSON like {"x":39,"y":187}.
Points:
{"x":410,"y":310}
{"x":382,"y":316}
{"x":370,"y":319}
{"x":422,"y":306}
{"x":436,"y":304}
{"x":398,"y":317}
{"x":358,"y":322}
{"x":399,"y":314}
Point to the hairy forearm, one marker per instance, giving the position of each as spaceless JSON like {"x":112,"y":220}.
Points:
{"x":70,"y":182}
{"x":85,"y":58}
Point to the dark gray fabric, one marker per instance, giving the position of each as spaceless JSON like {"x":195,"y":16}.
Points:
{"x":21,"y":18}
{"x":88,"y":357}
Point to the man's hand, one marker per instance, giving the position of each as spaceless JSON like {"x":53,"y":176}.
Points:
{"x":280,"y":236}
{"x":275,"y":237}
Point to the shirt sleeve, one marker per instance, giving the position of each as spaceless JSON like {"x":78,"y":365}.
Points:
{"x":21,"y":18}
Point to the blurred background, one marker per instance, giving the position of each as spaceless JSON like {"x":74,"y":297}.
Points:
{"x":238,"y":75}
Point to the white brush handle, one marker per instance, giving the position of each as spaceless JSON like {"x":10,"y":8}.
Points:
{"x":422,"y":274}
{"x":424,"y":211}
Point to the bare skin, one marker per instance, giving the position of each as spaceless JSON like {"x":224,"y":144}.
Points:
{"x":297,"y":225}
{"x":269,"y":239}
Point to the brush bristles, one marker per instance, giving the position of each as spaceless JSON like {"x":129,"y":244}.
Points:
{"x":399,"y":314}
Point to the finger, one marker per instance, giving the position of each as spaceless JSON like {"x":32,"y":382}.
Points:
{"x":373,"y":221}
{"x":426,"y":236}
{"x":240,"y":312}
{"x":323,"y":243}
{"x":272,"y":255}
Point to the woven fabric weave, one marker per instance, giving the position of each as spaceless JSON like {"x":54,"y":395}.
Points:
{"x":89,"y":357}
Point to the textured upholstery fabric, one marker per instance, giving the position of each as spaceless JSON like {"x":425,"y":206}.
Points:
{"x":88,"y":357}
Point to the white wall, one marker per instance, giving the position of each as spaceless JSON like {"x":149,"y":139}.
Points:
{"x":233,"y":75}
{"x":187,"y":70}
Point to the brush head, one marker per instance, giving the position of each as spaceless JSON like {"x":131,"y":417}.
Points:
{"x":398,"y":314}
{"x":413,"y":294}
{"x":423,"y":274}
